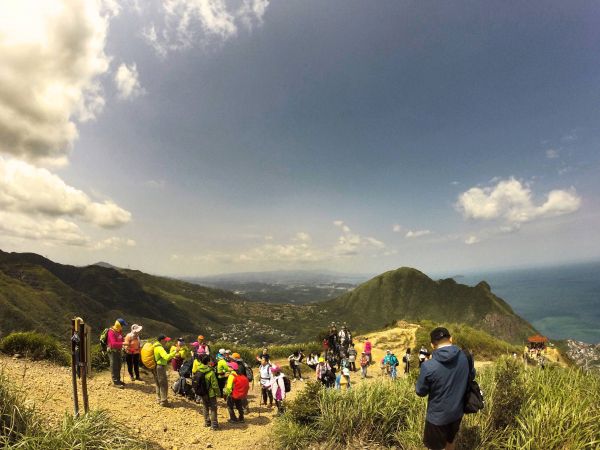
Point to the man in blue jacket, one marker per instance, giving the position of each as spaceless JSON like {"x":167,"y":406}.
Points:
{"x":444,"y":378}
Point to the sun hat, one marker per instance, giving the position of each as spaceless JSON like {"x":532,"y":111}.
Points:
{"x":200,"y":337}
{"x":222,"y":351}
{"x":321,"y":359}
{"x":236,"y":356}
{"x":233,"y":365}
{"x":135,"y":328}
{"x":275,"y":369}
{"x":228,"y":352}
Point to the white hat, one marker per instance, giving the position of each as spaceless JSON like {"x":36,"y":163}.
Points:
{"x":135,"y":328}
{"x":227,"y":351}
{"x":222,"y":351}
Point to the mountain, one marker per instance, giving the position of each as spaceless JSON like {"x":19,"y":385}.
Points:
{"x":411,"y":295}
{"x":38,"y":294}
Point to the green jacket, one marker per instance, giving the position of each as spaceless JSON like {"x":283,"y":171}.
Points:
{"x":210,"y":377}
{"x":222,"y":368}
{"x":161,"y":356}
{"x":228,"y":389}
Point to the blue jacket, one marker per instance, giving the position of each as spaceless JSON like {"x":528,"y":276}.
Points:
{"x":444,"y":378}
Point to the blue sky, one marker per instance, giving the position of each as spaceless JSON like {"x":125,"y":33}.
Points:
{"x":353,"y":136}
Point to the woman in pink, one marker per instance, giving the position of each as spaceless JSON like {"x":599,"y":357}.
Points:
{"x":114,"y":344}
{"x":368,"y":349}
{"x":278,"y":388}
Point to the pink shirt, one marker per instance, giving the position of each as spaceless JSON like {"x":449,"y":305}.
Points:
{"x":114,"y":340}
{"x":368,"y":347}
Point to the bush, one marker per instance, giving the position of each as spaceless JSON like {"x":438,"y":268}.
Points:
{"x":100,"y":359}
{"x":35,"y":346}
{"x":509,"y":393}
{"x":16,"y":417}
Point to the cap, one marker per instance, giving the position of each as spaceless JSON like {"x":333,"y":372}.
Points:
{"x":236,"y":356}
{"x":135,"y":328}
{"x":321,"y":359}
{"x":275,"y":369}
{"x":439,"y":333}
{"x":162,"y":337}
{"x":122,"y":322}
{"x":222,"y":351}
{"x":388,"y":351}
{"x":200,"y":337}
{"x":180,"y":340}
{"x":233,"y":365}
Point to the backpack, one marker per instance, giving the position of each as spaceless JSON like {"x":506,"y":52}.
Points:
{"x":287,"y":384}
{"x":249,"y":373}
{"x":240,"y":387}
{"x":473,"y":399}
{"x":147,"y":356}
{"x":104,"y":340}
{"x":404,"y":359}
{"x":185,"y":370}
{"x":394,"y":361}
{"x":199,"y":385}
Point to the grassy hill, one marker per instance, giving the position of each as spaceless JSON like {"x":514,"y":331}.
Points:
{"x":407,"y":294}
{"x":37,"y":294}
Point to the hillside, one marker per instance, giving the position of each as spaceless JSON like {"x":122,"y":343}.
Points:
{"x":41,"y":295}
{"x":38,"y":294}
{"x":408,"y":294}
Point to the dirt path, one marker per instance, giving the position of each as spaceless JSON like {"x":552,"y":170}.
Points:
{"x":179,"y":427}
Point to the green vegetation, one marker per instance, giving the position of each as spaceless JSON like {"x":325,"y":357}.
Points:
{"x":481,"y":344}
{"x":525,"y":408}
{"x":35,"y":346}
{"x":21,"y":427}
{"x":407,"y":294}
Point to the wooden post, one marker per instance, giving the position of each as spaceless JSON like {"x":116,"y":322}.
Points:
{"x":74,"y":358}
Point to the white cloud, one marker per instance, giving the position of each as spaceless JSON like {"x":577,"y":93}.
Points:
{"x":472,"y":240}
{"x":48,"y":230}
{"x":350,"y":244}
{"x":37,"y":192}
{"x":411,"y":234}
{"x":511,"y":201}
{"x":127,"y":82}
{"x":51,"y":54}
{"x":552,"y":153}
{"x":195,"y":22}
{"x":397,"y":228}
{"x":113,"y":243}
{"x":302,"y":237}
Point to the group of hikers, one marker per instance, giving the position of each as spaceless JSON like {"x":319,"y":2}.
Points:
{"x":445,"y":374}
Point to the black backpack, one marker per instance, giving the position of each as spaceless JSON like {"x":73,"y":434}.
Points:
{"x":249,"y":373}
{"x":287,"y":384}
{"x":185,"y":370}
{"x":199,"y":385}
{"x":473,"y":399}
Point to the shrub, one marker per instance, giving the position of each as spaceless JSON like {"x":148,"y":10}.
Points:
{"x":35,"y":346}
{"x":509,"y":393}
{"x":100,"y":359}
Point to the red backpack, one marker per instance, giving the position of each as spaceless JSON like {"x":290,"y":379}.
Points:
{"x":241,"y":385}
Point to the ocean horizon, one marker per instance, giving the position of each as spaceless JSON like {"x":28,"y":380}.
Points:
{"x":562,"y":302}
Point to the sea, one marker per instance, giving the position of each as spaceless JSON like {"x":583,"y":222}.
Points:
{"x":562,"y":302}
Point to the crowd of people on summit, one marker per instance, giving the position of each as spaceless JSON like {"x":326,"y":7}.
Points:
{"x":205,"y":377}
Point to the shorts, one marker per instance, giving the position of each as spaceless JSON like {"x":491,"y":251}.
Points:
{"x":436,"y":437}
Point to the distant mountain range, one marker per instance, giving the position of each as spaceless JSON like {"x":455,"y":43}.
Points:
{"x":38,"y":294}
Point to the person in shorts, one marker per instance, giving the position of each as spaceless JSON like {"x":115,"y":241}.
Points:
{"x":443,"y":378}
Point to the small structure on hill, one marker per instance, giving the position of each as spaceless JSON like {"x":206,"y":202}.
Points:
{"x":537,"y":342}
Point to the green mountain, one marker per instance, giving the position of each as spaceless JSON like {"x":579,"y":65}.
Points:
{"x":407,"y":294}
{"x":38,"y":294}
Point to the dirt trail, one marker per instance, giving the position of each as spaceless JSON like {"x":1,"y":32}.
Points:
{"x":179,"y":427}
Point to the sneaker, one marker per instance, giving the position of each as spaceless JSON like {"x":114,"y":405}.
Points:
{"x":138,"y":379}
{"x":207,"y":424}
{"x":241,"y":420}
{"x":214,"y":428}
{"x":232,"y":420}
{"x":119,"y":385}
{"x":132,"y":379}
{"x":165,"y":405}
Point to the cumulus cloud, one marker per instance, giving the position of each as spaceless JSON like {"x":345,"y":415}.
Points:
{"x":127,"y":81}
{"x":52,"y":53}
{"x":410,"y":234}
{"x":49,"y":230}
{"x":37,"y":192}
{"x":113,"y":243}
{"x":552,"y":153}
{"x":470,"y":240}
{"x":195,"y":22}
{"x":512,"y":201}
{"x":397,"y":228}
{"x":350,"y":243}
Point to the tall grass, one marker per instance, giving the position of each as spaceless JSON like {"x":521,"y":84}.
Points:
{"x":22,"y":428}
{"x":526,"y":408}
{"x":35,"y":346}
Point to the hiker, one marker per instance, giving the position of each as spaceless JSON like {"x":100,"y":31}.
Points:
{"x":364,"y":364}
{"x":368,"y":349}
{"x":344,"y":338}
{"x":312,"y":360}
{"x":236,"y":391}
{"x":161,"y":379}
{"x":277,"y":386}
{"x":391,"y":362}
{"x":249,"y":375}
{"x":132,"y":347}
{"x":295,"y":359}
{"x":444,"y":379}
{"x":406,"y":361}
{"x":343,"y":378}
{"x":206,"y":388}
{"x":265,"y":353}
{"x":194,"y":349}
{"x":265,"y":381}
{"x":352,"y":358}
{"x":114,"y":345}
{"x":325,"y":373}
{"x":182,"y":353}
{"x":332,"y":341}
{"x":222,"y":370}
{"x":423,"y":356}
{"x":203,"y":348}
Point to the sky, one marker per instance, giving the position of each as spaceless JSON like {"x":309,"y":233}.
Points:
{"x":195,"y":137}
